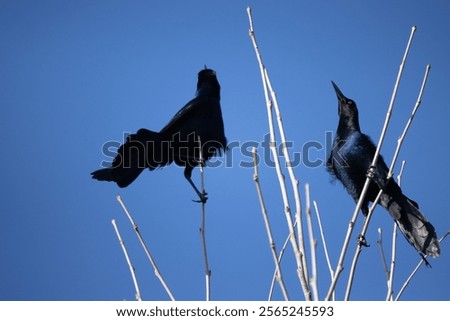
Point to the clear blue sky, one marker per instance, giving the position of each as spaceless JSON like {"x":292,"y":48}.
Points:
{"x":76,"y":74}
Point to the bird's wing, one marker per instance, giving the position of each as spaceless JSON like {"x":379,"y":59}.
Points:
{"x":184,"y":112}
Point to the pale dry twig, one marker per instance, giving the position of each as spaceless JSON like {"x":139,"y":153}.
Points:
{"x":278,"y":274}
{"x":146,"y":250}
{"x":130,"y":266}
{"x":298,"y":250}
{"x":203,"y":226}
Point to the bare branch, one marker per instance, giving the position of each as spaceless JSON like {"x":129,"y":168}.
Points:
{"x":144,"y":246}
{"x":360,"y":245}
{"x":312,"y":245}
{"x":322,"y":235}
{"x":383,"y":257}
{"x":293,"y":179}
{"x":390,"y":283}
{"x":130,"y":266}
{"x":278,"y":274}
{"x":408,"y":123}
{"x":280,"y":257}
{"x":390,"y":291}
{"x":400,"y":174}
{"x":202,"y":227}
{"x":299,"y":256}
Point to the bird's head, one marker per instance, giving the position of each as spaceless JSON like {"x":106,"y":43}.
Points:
{"x":206,"y":73}
{"x":347,"y":110}
{"x":207,"y":81}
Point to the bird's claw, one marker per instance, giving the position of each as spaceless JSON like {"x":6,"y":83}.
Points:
{"x":425,"y":260}
{"x":203,"y":198}
{"x":362,"y":241}
{"x":371,"y":172}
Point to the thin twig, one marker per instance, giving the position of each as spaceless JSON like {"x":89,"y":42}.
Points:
{"x":130,"y":266}
{"x":312,"y":244}
{"x":390,"y":291}
{"x":287,"y":210}
{"x":370,"y":171}
{"x":416,"y":269}
{"x":408,"y":123}
{"x":293,"y":179}
{"x":144,"y":246}
{"x":383,"y":257}
{"x":400,"y":174}
{"x":361,"y":244}
{"x":322,"y":235}
{"x":202,"y":228}
{"x":278,"y":274}
{"x":280,"y":257}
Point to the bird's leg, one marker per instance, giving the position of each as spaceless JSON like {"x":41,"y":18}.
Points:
{"x":201,"y":195}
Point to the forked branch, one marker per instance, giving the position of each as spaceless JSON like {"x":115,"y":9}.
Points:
{"x":270,"y":100}
{"x":278,"y":274}
{"x":130,"y":266}
{"x":144,"y":246}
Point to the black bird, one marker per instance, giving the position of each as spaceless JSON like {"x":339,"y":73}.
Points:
{"x":199,"y":121}
{"x":349,"y":161}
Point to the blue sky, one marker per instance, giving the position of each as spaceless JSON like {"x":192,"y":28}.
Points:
{"x":77,"y":74}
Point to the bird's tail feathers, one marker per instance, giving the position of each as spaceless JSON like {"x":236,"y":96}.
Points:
{"x":415,"y":227}
{"x":141,"y":150}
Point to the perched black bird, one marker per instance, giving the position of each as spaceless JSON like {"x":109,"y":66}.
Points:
{"x":349,"y":161}
{"x":199,"y":121}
